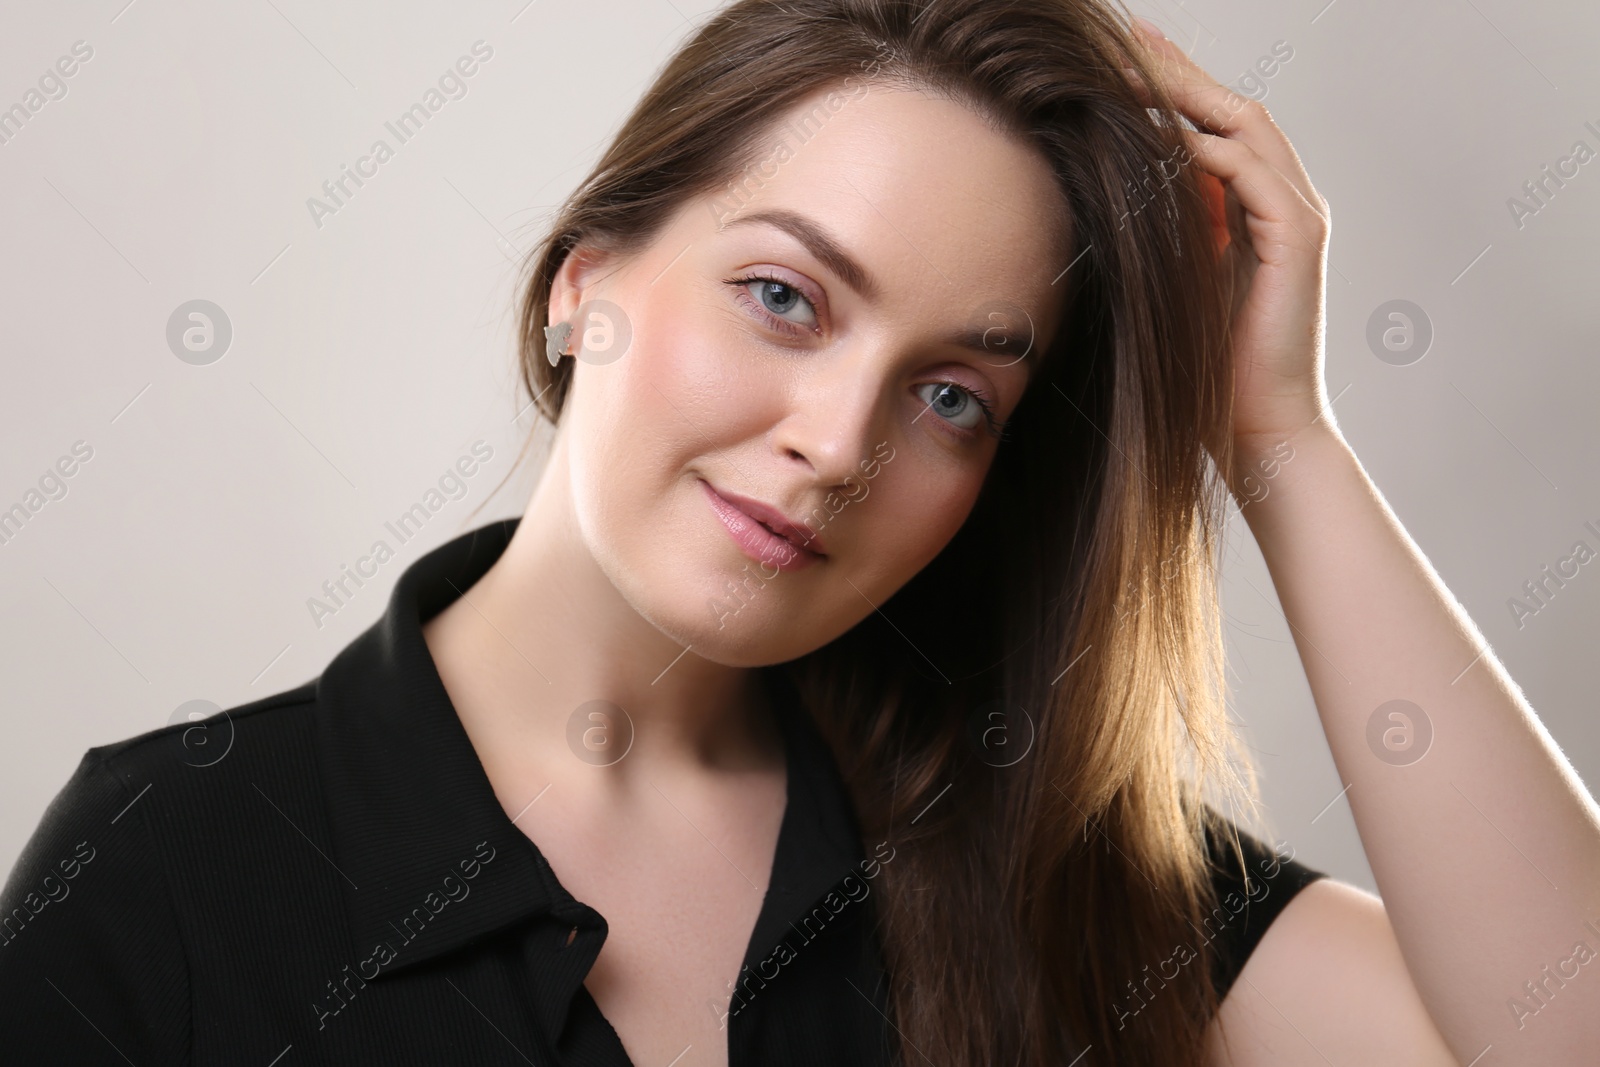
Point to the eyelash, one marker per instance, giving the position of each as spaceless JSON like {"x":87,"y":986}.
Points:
{"x":985,"y":402}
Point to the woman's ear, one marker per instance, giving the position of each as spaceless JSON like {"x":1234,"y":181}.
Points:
{"x":575,"y":281}
{"x":581,"y":321}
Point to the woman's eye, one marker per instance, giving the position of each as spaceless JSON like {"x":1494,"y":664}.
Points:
{"x":780,"y":300}
{"x":953,"y":403}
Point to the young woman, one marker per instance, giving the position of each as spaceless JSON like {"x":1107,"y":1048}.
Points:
{"x":850,"y":690}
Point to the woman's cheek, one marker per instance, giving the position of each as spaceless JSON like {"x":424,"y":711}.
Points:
{"x":637,"y":410}
{"x":919,"y":508}
{"x":947,"y":521}
{"x":725,"y":391}
{"x":679,"y":371}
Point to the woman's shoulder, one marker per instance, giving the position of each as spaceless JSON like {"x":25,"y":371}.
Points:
{"x":161,"y":799}
{"x":208,"y":737}
{"x":171,"y":779}
{"x":1254,"y":882}
{"x":1313,"y":952}
{"x":102,"y":903}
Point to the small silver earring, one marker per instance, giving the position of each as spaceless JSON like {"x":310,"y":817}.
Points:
{"x":555,"y":339}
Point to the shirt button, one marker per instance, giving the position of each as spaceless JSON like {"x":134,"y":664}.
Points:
{"x":571,"y":934}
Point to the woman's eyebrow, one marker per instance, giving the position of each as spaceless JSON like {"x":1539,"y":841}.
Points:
{"x":1004,"y":347}
{"x":819,"y":243}
{"x":988,"y":340}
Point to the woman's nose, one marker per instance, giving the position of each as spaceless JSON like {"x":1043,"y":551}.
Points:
{"x":833,"y":420}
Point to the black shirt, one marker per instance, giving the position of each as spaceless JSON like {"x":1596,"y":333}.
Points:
{"x":325,"y":876}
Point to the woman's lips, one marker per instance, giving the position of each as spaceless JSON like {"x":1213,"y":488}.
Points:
{"x":754,"y":539}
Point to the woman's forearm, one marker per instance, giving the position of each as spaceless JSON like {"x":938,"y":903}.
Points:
{"x":1484,"y":843}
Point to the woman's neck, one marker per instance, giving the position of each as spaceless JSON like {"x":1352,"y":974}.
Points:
{"x":555,"y":676}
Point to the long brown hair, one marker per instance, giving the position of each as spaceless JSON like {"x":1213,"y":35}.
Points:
{"x":1032,"y":899}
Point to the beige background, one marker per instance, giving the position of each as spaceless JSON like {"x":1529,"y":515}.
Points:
{"x":372,"y":351}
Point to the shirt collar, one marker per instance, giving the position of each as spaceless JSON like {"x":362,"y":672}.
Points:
{"x":412,"y":812}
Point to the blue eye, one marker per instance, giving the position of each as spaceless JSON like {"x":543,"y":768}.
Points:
{"x":774,"y":300}
{"x":957,"y":404}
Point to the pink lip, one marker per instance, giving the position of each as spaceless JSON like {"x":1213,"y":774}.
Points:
{"x":744,"y":519}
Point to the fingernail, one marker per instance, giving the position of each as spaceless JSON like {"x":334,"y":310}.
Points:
{"x":1149,"y":27}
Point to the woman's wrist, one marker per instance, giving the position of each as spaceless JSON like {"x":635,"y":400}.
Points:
{"x":1261,"y":460}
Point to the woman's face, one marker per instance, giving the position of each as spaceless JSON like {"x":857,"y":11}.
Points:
{"x":795,"y":340}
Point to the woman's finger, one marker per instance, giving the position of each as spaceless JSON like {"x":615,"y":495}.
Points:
{"x":1223,"y":112}
{"x":1295,"y":226}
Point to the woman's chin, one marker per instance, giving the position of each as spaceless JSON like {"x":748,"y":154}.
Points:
{"x":732,"y":625}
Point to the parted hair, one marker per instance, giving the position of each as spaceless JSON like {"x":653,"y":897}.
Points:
{"x":1066,"y":709}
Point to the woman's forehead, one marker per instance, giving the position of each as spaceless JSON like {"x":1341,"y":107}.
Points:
{"x":920,"y":193}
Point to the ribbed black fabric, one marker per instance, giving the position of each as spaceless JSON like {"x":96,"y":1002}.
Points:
{"x":1249,"y":898}
{"x":324,"y":876}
